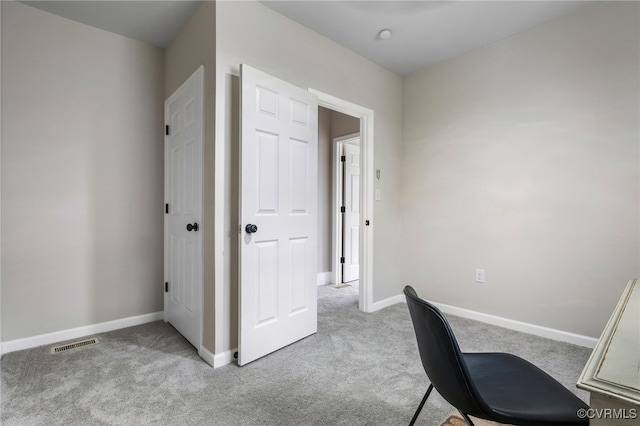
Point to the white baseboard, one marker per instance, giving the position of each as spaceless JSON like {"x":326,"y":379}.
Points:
{"x":325,"y":278}
{"x":536,"y":330}
{"x":74,"y":333}
{"x":376,"y":306}
{"x":224,"y":358}
{"x":207,"y":356}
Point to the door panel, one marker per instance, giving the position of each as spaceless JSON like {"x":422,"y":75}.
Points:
{"x":278,"y":185}
{"x":267,"y":281}
{"x":298,"y":248}
{"x":183,"y":193}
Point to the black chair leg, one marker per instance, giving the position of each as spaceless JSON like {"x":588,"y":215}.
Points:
{"x":466,"y":418}
{"x":424,"y":399}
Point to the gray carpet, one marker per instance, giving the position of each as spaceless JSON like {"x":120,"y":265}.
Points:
{"x":359,"y":369}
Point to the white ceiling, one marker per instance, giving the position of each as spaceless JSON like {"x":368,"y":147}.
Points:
{"x":424,"y":32}
{"x":153,"y":22}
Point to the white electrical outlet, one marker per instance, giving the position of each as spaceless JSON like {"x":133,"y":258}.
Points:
{"x":479,"y":275}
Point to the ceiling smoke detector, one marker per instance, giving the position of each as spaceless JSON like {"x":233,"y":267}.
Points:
{"x":384,"y":34}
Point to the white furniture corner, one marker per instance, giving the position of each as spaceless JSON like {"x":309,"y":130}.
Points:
{"x":612,"y":374}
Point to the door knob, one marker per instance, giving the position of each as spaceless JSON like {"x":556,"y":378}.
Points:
{"x":193,"y":227}
{"x":251,"y":228}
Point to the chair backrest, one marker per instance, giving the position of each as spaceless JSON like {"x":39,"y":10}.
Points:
{"x":441,"y":356}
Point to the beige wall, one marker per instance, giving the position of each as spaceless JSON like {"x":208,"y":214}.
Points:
{"x":325,"y":189}
{"x":343,"y":124}
{"x":252,"y":33}
{"x":81,"y":174}
{"x":331,"y":125}
{"x":195,"y":45}
{"x":522,"y":158}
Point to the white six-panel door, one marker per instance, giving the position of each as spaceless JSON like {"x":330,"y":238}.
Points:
{"x":183,"y":194}
{"x":351,"y":216}
{"x":278,"y":186}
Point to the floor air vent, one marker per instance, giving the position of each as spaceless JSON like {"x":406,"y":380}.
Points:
{"x":74,"y":345}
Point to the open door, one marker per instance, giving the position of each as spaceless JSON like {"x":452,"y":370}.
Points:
{"x":278,"y":214}
{"x":183,"y":209}
{"x":351,"y":213}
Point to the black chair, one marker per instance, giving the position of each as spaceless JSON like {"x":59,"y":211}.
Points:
{"x":493,"y":386}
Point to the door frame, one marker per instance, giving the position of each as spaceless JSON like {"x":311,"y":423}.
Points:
{"x":338,"y":189}
{"x":199,"y":75}
{"x":366,"y":189}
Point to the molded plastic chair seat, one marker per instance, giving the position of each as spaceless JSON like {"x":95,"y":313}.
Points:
{"x":518,"y":392}
{"x":493,"y":386}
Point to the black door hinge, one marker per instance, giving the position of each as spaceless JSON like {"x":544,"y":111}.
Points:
{"x":166,"y":129}
{"x":343,"y":209}
{"x":342,"y":260}
{"x":342,"y":158}
{"x":366,"y":222}
{"x":166,"y":208}
{"x":166,"y":287}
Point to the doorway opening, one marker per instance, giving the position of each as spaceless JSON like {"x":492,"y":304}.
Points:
{"x":345,"y":196}
{"x":338,"y":198}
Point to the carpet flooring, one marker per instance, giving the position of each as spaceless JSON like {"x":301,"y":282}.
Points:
{"x":359,"y":369}
{"x":457,"y":420}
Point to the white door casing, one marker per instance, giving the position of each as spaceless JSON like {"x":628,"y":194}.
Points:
{"x":183,"y":195}
{"x":351,"y":215}
{"x":278,"y":194}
